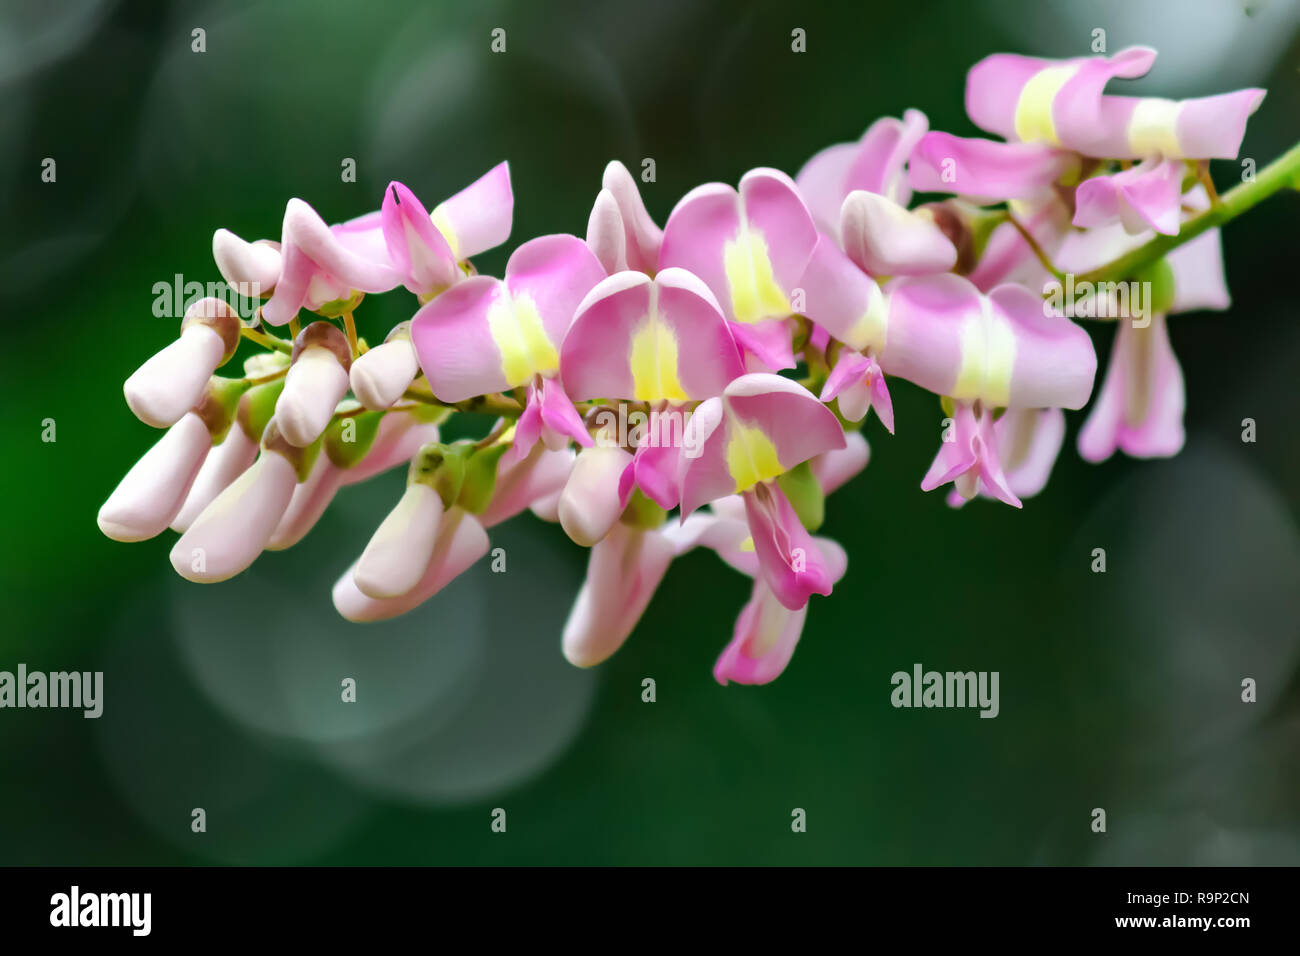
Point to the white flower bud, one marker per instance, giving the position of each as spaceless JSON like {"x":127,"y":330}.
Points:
{"x":231,"y":532}
{"x":398,"y":553}
{"x":225,"y":463}
{"x":246,"y":263}
{"x":171,"y":382}
{"x":380,"y":376}
{"x":885,"y":239}
{"x":147,"y":499}
{"x":589,"y":504}
{"x":314,"y":384}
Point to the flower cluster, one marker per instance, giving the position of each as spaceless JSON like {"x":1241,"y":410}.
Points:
{"x":748,"y":339}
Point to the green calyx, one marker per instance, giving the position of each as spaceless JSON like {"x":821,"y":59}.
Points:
{"x":805,"y":494}
{"x":256,"y":407}
{"x":643,"y":513}
{"x":348,"y":440}
{"x":220,"y":404}
{"x":442,"y":467}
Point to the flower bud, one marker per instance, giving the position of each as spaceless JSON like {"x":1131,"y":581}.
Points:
{"x":398,"y":553}
{"x":461,"y":541}
{"x":244,"y":264}
{"x":224,"y":463}
{"x":151,"y":494}
{"x":316,"y":381}
{"x":380,"y":376}
{"x":885,"y":239}
{"x":171,"y":382}
{"x":589,"y":504}
{"x":235,"y":527}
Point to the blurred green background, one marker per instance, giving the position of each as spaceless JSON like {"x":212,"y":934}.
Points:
{"x":1119,"y":691}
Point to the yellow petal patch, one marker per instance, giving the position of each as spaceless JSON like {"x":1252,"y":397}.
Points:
{"x":868,"y":332}
{"x":755,"y":296}
{"x":751,"y":456}
{"x":442,"y":222}
{"x":653,"y":361}
{"x":988,"y":357}
{"x":1034,"y":123}
{"x":517,"y":329}
{"x":1153,"y":128}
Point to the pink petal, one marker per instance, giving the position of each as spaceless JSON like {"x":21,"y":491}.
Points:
{"x":763,"y":642}
{"x":789,"y":562}
{"x":1140,"y":406}
{"x":540,"y":474}
{"x":874,"y":163}
{"x":1199,"y":280}
{"x":1029,"y":441}
{"x":885,"y":239}
{"x":231,"y":532}
{"x":417,"y":249}
{"x":478,"y":218}
{"x":461,"y":541}
{"x":641,"y":236}
{"x":834,"y":468}
{"x":1148,"y":196}
{"x":590,"y":503}
{"x":766,"y":218}
{"x":623,"y":572}
{"x":145,"y":501}
{"x":691,"y":350}
{"x":986,"y":170}
{"x":784,"y":413}
{"x":766,"y":345}
{"x":223,"y":464}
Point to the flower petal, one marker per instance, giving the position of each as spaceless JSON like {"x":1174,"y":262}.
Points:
{"x":1148,"y":196}
{"x":461,"y":541}
{"x":478,"y":218}
{"x":398,"y":553}
{"x":623,"y":572}
{"x":232,"y":531}
{"x":416,"y":248}
{"x":885,"y":239}
{"x":649,"y":340}
{"x":986,"y":170}
{"x":145,"y":501}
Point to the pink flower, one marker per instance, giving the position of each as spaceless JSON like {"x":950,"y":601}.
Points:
{"x":620,"y":231}
{"x":750,"y":246}
{"x":1062,"y":103}
{"x":875,"y":163}
{"x":488,"y":335}
{"x":323,"y":268}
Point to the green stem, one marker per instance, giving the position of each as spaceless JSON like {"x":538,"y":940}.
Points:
{"x":1280,"y":174}
{"x":264,"y":340}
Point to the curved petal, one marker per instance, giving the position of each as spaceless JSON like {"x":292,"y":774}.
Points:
{"x":1140,"y":406}
{"x":660,"y":339}
{"x":461,"y":541}
{"x":478,"y":218}
{"x":623,"y":572}
{"x":416,"y":248}
{"x":1148,"y":196}
{"x":987,"y":170}
{"x":147,"y":499}
{"x":885,"y":239}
